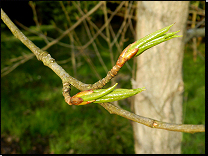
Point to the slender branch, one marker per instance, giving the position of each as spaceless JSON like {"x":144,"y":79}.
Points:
{"x":71,"y":39}
{"x":121,"y":27}
{"x":9,"y":69}
{"x":108,"y":33}
{"x":35,"y":17}
{"x":194,"y":32}
{"x":74,"y":26}
{"x":93,"y":43}
{"x":106,"y":23}
{"x":49,"y":38}
{"x":95,"y":47}
{"x":67,"y":81}
{"x":42,"y":55}
{"x":89,"y":61}
{"x":112,"y":109}
{"x":122,"y":15}
{"x":89,"y":20}
{"x":116,"y":41}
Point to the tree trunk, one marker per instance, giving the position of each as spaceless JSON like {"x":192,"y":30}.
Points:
{"x":159,"y":69}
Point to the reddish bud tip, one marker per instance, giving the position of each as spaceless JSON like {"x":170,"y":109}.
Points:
{"x":131,"y":53}
{"x":76,"y":100}
{"x":86,"y":92}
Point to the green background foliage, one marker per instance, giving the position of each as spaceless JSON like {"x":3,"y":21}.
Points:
{"x":38,"y":120}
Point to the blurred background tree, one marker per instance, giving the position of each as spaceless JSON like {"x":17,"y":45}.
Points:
{"x":161,"y":71}
{"x":30,"y":90}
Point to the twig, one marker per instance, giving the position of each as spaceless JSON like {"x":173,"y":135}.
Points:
{"x":71,"y":39}
{"x":32,"y":5}
{"x":95,"y":47}
{"x":122,"y":15}
{"x":89,"y":61}
{"x":102,"y":28}
{"x":121,"y":32}
{"x":116,"y":41}
{"x":74,"y":26}
{"x":91,"y":24}
{"x":89,"y":20}
{"x":195,"y":32}
{"x":108,"y":33}
{"x":67,"y":81}
{"x":42,"y":55}
{"x":127,"y":11}
{"x":200,"y":23}
{"x":123,"y":58}
{"x":9,"y":69}
{"x":112,"y":109}
{"x":93,"y":43}
{"x":42,"y":36}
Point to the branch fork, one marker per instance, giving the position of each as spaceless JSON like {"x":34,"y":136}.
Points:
{"x":93,"y":93}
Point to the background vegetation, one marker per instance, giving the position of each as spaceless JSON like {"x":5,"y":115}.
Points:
{"x":36,"y":119}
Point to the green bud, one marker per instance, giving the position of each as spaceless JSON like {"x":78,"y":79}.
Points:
{"x":150,"y":37}
{"x":157,"y":41}
{"x":97,"y":95}
{"x":119,"y":94}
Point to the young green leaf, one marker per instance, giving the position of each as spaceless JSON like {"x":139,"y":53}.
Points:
{"x":157,"y":41}
{"x":119,"y":94}
{"x":150,"y":37}
{"x":97,"y":95}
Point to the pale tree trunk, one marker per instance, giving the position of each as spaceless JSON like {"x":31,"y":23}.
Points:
{"x":159,"y":69}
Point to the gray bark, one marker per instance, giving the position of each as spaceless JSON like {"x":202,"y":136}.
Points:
{"x":200,"y":32}
{"x":159,"y":69}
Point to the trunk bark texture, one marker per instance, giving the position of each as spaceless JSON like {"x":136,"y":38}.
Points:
{"x":159,"y":69}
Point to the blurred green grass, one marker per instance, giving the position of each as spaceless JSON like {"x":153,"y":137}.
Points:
{"x":32,"y":106}
{"x":194,"y":99}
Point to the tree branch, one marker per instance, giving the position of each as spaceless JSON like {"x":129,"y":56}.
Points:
{"x":43,"y":55}
{"x":75,"y":25}
{"x":112,"y":109}
{"x":67,"y":81}
{"x":195,"y":32}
